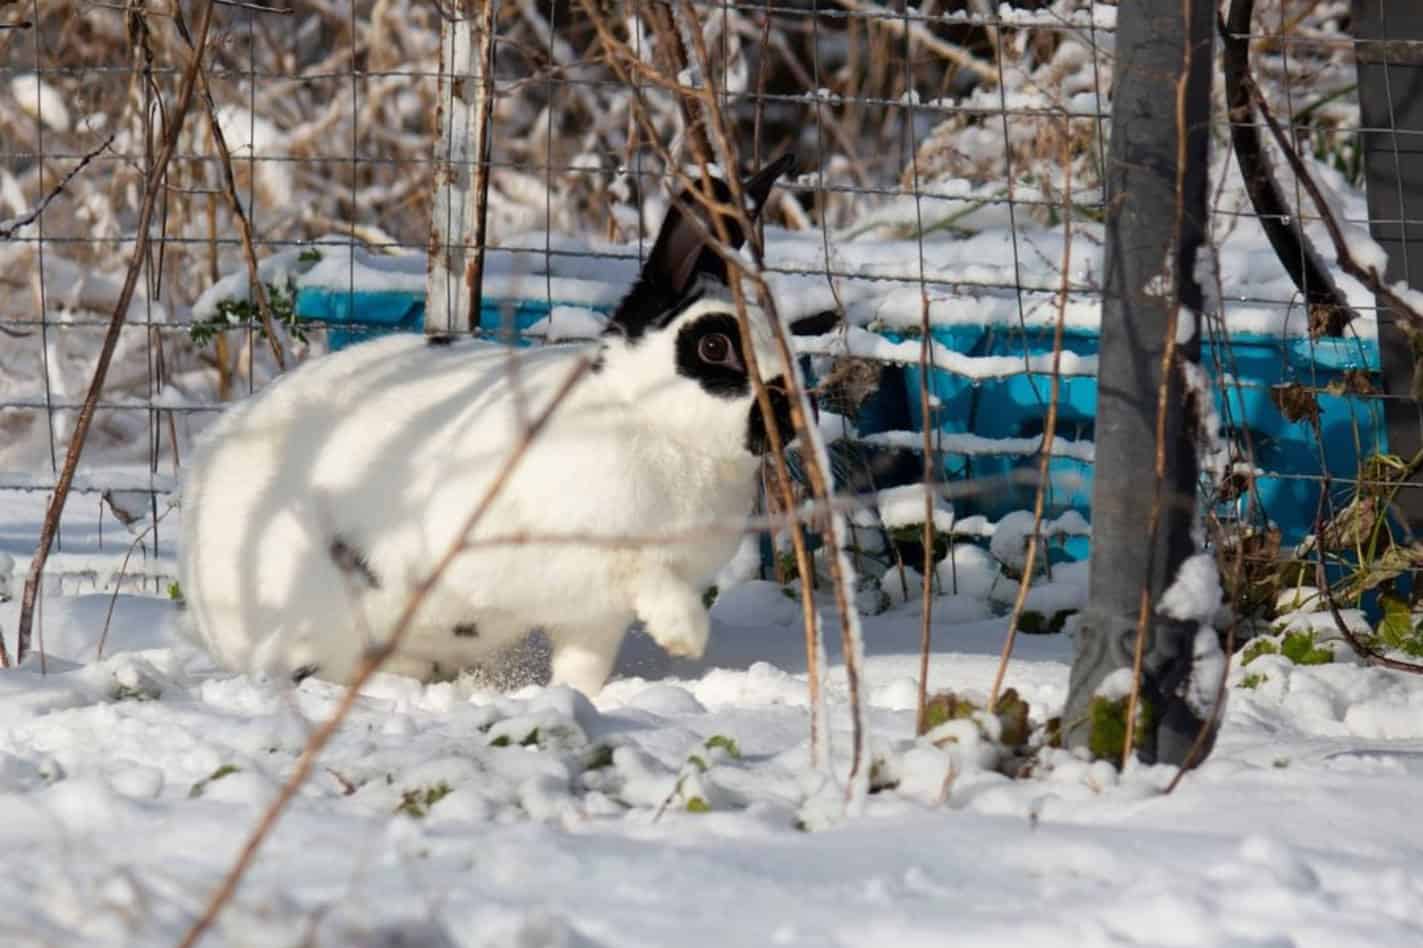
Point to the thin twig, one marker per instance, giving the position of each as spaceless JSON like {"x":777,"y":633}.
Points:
{"x":625,"y":64}
{"x":9,"y":228}
{"x":373,"y":659}
{"x":234,"y":203}
{"x":118,"y":580}
{"x":813,"y":454}
{"x":152,"y":188}
{"x":1049,"y":433}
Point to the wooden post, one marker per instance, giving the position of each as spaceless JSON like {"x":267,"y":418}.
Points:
{"x":455,"y":275}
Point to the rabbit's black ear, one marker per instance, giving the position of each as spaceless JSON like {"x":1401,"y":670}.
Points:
{"x":682,"y":251}
{"x":816,"y":325}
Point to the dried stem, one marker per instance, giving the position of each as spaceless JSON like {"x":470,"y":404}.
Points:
{"x":118,"y":580}
{"x":234,"y":203}
{"x":9,"y":228}
{"x":1049,"y":433}
{"x":371,"y":662}
{"x":623,"y":61}
{"x":153,"y":188}
{"x":814,"y":454}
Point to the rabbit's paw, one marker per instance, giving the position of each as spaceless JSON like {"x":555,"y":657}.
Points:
{"x":674,"y":616}
{"x":583,"y":656}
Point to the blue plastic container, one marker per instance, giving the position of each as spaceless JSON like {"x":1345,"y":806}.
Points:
{"x":1289,"y":454}
{"x":364,"y":315}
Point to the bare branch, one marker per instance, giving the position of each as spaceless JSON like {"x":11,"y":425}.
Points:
{"x":1328,"y":306}
{"x":1049,"y":431}
{"x":9,"y":228}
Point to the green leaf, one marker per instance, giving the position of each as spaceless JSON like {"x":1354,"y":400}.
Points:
{"x":225,"y":770}
{"x":1257,"y":648}
{"x":416,"y":803}
{"x":727,"y":744}
{"x":1299,"y":648}
{"x":698,"y":805}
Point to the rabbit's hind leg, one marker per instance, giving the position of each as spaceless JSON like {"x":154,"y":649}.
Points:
{"x":583,"y":656}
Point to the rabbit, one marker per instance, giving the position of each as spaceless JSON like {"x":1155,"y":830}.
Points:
{"x":314,"y":508}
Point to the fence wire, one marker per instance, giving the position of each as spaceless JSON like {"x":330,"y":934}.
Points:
{"x":932,"y":144}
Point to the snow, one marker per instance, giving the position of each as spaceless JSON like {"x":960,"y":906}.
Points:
{"x":1195,"y":594}
{"x":462,"y":816}
{"x":41,"y":101}
{"x":904,"y":507}
{"x":568,"y":322}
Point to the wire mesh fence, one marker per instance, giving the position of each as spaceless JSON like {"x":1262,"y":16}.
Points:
{"x":951,"y":167}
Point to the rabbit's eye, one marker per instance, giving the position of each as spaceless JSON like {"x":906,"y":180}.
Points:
{"x":717,"y":350}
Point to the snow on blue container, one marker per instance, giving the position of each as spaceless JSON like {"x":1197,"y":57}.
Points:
{"x":366,"y":314}
{"x":1288,"y":455}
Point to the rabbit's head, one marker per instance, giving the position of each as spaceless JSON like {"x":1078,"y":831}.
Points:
{"x":675,"y":339}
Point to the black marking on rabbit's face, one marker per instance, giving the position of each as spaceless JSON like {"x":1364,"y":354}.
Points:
{"x":709,"y":352}
{"x":353,"y":562}
{"x":466,"y":630}
{"x":304,"y":672}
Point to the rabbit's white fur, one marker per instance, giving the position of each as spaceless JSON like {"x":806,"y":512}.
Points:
{"x":313,"y":509}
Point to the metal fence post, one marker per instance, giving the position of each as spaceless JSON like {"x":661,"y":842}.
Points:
{"x":1156,"y":220}
{"x":455,"y":274}
{"x":1389,"y":54}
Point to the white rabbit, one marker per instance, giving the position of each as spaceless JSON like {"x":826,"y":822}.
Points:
{"x":314,"y":508}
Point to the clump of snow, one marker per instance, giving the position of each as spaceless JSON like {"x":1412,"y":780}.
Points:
{"x":968,"y":570}
{"x":1208,"y":667}
{"x":40,"y":100}
{"x":255,"y":141}
{"x":902,"y":585}
{"x":1366,"y":251}
{"x":568,"y":322}
{"x":904,"y":507}
{"x":1116,"y":686}
{"x":1195,"y":594}
{"x":1009,"y":543}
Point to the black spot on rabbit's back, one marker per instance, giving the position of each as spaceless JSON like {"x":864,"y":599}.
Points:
{"x":303,"y":673}
{"x":698,"y":344}
{"x":353,"y":562}
{"x":466,"y":630}
{"x":440,"y":340}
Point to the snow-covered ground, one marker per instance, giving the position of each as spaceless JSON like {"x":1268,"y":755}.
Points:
{"x":450,"y":815}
